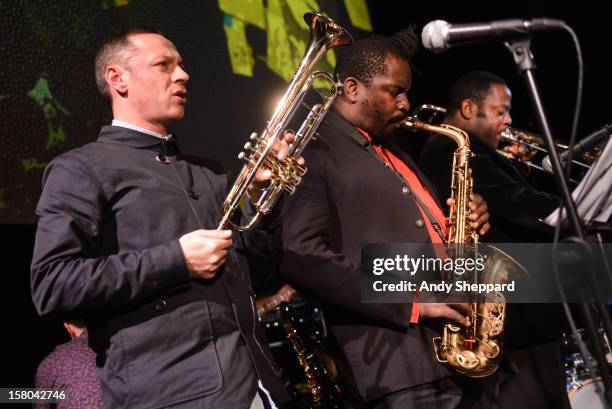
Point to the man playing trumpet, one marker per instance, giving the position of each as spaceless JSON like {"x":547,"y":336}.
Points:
{"x":127,"y":240}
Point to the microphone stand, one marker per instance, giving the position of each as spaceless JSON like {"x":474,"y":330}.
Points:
{"x":523,"y":58}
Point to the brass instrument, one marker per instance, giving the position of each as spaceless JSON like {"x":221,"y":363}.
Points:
{"x":433,"y":114}
{"x":325,"y":34}
{"x":428,"y":113}
{"x":460,"y":230}
{"x":324,"y":392}
{"x":474,"y":350}
{"x":535,"y":142}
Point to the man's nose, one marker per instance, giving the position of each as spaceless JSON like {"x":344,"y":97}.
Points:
{"x":180,"y":74}
{"x":507,"y":119}
{"x":403,"y":104}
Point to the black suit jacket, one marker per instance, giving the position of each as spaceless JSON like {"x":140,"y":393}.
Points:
{"x":349,"y":197}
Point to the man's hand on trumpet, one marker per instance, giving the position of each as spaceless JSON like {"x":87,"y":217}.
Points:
{"x":520,"y":151}
{"x":263,"y":175}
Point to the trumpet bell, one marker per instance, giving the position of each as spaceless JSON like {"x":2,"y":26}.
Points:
{"x":323,"y":27}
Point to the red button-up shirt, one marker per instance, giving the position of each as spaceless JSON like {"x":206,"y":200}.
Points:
{"x":417,"y":188}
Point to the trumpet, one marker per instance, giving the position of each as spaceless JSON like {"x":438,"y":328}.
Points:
{"x":433,"y":114}
{"x":286,"y":174}
{"x":535,"y":143}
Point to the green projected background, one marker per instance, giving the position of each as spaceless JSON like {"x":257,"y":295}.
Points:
{"x":239,"y":54}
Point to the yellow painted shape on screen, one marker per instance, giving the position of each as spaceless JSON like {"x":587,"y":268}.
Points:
{"x":300,"y":7}
{"x":358,"y":13}
{"x":287,"y":41}
{"x":249,"y":11}
{"x":284,"y":41}
{"x":240,"y":52}
{"x":287,"y":33}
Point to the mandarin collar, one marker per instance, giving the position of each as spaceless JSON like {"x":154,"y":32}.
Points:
{"x":131,"y":138}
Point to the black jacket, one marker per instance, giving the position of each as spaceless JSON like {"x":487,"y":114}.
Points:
{"x":347,"y":198}
{"x":107,"y":250}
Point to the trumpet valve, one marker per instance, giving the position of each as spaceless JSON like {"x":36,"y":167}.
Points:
{"x":300,"y":171}
{"x":247,"y":157}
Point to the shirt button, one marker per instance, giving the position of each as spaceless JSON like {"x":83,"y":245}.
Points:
{"x":405,"y":190}
{"x":162,"y":304}
{"x":420,"y":223}
{"x":161,"y":158}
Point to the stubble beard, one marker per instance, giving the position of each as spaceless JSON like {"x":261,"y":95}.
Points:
{"x":375,"y":117}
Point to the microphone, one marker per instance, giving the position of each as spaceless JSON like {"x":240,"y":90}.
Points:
{"x":439,"y":35}
{"x":586,"y":143}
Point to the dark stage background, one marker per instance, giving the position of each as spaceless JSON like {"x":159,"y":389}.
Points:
{"x":237,"y":61}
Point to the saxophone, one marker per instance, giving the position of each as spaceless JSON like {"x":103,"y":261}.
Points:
{"x":324,"y":392}
{"x":474,"y":350}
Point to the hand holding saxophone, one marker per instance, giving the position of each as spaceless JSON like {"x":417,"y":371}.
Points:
{"x":459,"y":312}
{"x":263,"y":176}
{"x":479,"y":213}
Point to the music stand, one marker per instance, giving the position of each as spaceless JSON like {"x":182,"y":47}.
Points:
{"x":593,"y":199}
{"x":593,"y":196}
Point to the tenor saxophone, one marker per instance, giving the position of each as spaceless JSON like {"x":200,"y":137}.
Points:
{"x":473,"y":350}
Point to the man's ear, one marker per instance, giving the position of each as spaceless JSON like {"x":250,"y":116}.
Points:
{"x":351,"y":89}
{"x":468,"y":109}
{"x":115,"y":77}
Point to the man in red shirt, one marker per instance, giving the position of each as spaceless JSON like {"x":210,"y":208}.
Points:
{"x":360,"y":189}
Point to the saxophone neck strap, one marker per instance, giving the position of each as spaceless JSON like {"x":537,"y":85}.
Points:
{"x":388,"y":163}
{"x":336,"y":121}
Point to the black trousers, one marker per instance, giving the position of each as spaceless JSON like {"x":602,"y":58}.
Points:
{"x":532,"y":378}
{"x":529,"y":378}
{"x":456,"y":392}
